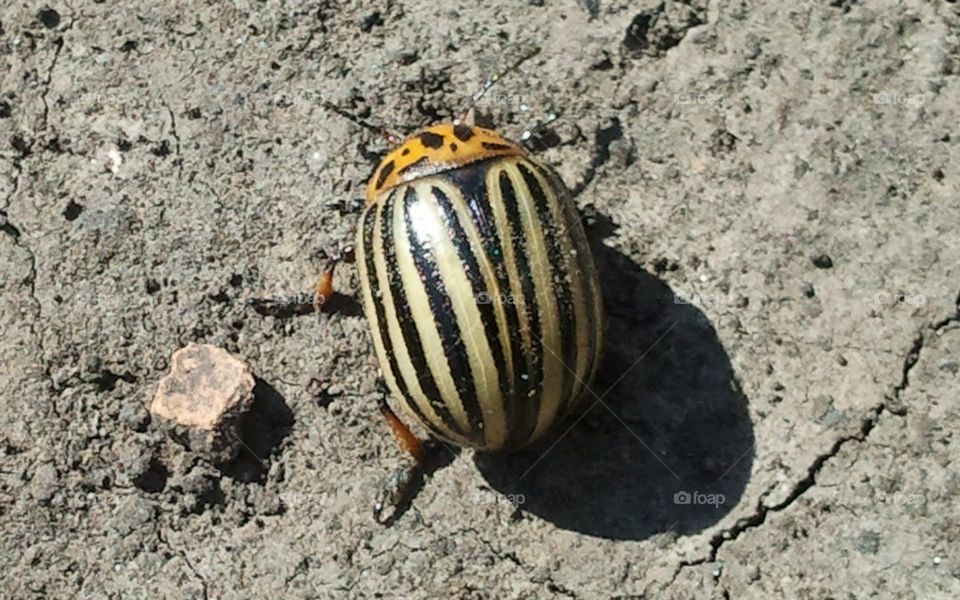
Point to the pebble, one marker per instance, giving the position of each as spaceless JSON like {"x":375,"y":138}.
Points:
{"x":44,"y":483}
{"x":205,"y":395}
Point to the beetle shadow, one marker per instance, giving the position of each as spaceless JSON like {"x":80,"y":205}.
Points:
{"x":669,"y":445}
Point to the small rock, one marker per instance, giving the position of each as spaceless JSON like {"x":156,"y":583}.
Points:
{"x":132,"y":513}
{"x":205,"y":395}
{"x":44,"y":483}
{"x":133,"y":460}
{"x":198,"y":487}
{"x":135,"y":416}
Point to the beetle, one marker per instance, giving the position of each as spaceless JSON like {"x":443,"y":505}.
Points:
{"x":479,"y":288}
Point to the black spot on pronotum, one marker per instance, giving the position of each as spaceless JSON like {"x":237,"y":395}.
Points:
{"x":463,"y":132}
{"x":431,"y":140}
{"x":384,"y":173}
{"x":453,"y":146}
{"x":414,"y":165}
{"x":495,"y":146}
{"x":405,"y":152}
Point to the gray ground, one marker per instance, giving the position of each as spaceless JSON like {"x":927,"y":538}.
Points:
{"x":774,"y":190}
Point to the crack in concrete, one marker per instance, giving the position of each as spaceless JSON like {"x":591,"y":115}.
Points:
{"x":176,"y":138}
{"x":16,"y":233}
{"x":16,"y":186}
{"x":46,"y":84}
{"x":549,"y":582}
{"x":59,"y":42}
{"x":759,"y":516}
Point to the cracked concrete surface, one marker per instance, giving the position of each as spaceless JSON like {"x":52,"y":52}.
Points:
{"x":774,"y":194}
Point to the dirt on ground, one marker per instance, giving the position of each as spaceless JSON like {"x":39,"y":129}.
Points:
{"x":773,"y":189}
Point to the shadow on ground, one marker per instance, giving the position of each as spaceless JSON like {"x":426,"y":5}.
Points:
{"x":669,"y":446}
{"x":262,"y":431}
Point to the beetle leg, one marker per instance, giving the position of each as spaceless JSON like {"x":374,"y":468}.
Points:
{"x":397,"y":492}
{"x":405,"y":438}
{"x":402,"y":484}
{"x":533,"y":138}
{"x":300,"y":304}
{"x":323,"y":290}
{"x":283,"y":306}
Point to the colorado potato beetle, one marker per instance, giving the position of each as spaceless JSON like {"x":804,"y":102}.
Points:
{"x":479,"y":287}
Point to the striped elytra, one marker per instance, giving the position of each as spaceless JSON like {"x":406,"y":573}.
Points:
{"x":481,"y":294}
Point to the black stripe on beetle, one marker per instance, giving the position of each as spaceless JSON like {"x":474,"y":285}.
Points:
{"x":529,"y":388}
{"x":368,"y":224}
{"x":441,"y":306}
{"x":559,"y":268}
{"x":471,"y":181}
{"x":408,"y":329}
{"x":584,"y":263}
{"x":482,"y":296}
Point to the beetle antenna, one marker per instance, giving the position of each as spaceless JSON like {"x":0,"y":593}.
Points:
{"x":390,"y":138}
{"x":490,"y":82}
{"x":534,"y":132}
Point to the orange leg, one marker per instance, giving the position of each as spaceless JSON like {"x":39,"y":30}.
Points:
{"x":300,"y":304}
{"x":403,"y":483}
{"x":323,"y":290}
{"x":407,"y":440}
